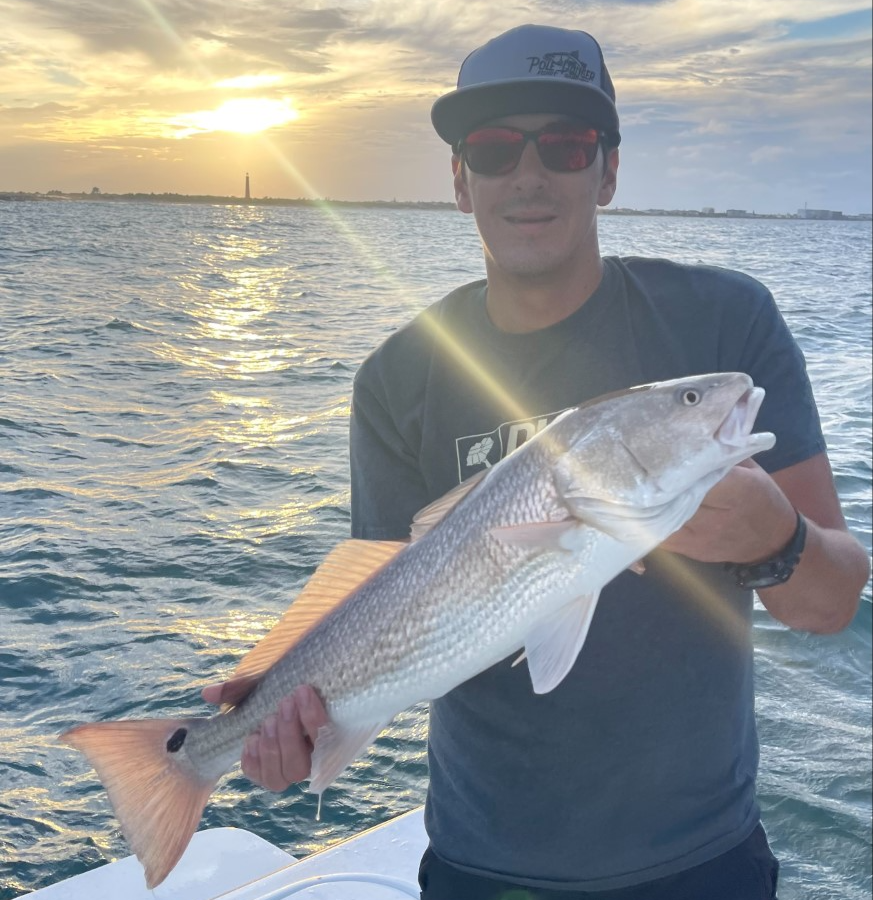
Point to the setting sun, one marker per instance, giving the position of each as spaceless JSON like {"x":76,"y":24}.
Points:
{"x":242,"y":116}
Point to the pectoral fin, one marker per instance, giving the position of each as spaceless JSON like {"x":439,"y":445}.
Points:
{"x":568,"y":534}
{"x":552,"y":647}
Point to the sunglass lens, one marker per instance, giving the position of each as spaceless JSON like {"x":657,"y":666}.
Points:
{"x":493,"y":151}
{"x":567,"y":151}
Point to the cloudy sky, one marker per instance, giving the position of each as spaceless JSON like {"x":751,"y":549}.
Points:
{"x":762,"y":105}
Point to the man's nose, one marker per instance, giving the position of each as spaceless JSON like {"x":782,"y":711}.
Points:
{"x":530,"y":167}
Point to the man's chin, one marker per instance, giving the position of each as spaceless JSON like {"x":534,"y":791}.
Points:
{"x":527,"y":264}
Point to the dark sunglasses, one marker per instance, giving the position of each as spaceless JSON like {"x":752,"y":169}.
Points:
{"x":562,"y":147}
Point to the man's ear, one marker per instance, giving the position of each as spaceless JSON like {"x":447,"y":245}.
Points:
{"x":609,"y":182}
{"x":462,"y":189}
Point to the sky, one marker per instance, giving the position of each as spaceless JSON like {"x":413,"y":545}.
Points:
{"x":762,"y":105}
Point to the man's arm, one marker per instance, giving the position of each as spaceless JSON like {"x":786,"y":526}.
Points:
{"x":749,"y":516}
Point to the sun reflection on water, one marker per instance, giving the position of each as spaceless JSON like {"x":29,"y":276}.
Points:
{"x":254,"y":525}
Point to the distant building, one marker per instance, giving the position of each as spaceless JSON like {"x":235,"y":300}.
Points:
{"x":708,"y":211}
{"x":737,"y":213}
{"x":819,"y":214}
{"x":248,"y":192}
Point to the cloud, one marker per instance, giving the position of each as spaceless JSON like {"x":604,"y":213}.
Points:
{"x":35,"y":114}
{"x":768,"y":154}
{"x":165,"y":33}
{"x":125,"y":26}
{"x":314,"y":21}
{"x":712,"y":126}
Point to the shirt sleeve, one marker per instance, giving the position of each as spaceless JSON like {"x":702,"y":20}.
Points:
{"x":387,"y":488}
{"x":771,"y":356}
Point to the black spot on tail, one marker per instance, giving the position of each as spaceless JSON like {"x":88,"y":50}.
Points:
{"x":176,"y":740}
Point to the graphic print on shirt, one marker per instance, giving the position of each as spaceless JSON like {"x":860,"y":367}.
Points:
{"x":481,"y":451}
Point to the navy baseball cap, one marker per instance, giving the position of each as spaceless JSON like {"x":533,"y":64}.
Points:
{"x":530,"y":69}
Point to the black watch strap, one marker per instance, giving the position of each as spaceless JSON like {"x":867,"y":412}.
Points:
{"x":776,"y":570}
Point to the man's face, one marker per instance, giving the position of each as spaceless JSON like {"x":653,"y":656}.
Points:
{"x":536,"y":223}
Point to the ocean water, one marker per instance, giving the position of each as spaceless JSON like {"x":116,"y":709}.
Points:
{"x":174,"y":395}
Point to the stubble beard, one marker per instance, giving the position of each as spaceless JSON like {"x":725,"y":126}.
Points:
{"x":536,"y":265}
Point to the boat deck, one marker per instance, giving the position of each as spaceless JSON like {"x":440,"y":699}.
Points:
{"x":378,"y":864}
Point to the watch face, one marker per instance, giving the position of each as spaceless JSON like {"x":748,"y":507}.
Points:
{"x":776,"y":570}
{"x":765,"y":575}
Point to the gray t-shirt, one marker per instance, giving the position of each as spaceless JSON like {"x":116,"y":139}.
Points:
{"x":642,"y":762}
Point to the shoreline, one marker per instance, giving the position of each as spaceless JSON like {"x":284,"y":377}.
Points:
{"x":24,"y":196}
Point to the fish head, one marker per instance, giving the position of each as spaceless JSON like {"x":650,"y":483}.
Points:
{"x":645,"y":447}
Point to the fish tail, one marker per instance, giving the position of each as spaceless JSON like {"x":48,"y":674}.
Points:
{"x":156,"y":792}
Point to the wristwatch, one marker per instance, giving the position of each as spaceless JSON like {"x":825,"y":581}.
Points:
{"x":775,"y":570}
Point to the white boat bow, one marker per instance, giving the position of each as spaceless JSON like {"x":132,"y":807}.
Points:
{"x":233,"y":864}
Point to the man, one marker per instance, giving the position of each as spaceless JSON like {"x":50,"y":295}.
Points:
{"x":635,"y":778}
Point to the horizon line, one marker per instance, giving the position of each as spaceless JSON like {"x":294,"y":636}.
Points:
{"x":803,"y":213}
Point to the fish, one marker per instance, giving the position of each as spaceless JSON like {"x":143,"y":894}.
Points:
{"x":510,"y":562}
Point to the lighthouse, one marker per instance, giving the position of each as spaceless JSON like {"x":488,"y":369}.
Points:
{"x":248,"y":192}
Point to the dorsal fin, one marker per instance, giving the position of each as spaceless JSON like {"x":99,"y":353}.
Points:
{"x":426,"y":518}
{"x":344,"y":569}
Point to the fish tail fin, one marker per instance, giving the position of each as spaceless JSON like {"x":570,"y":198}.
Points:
{"x":156,"y":792}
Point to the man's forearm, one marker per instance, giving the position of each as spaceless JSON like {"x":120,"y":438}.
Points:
{"x":822,"y":595}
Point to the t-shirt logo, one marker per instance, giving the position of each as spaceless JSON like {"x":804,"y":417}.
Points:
{"x":481,"y":451}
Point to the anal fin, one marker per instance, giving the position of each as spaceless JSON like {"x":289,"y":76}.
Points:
{"x":335,"y":748}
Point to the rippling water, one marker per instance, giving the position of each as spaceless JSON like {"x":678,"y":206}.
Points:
{"x":174,"y":391}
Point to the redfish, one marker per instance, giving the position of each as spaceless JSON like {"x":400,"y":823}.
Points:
{"x":511,"y":562}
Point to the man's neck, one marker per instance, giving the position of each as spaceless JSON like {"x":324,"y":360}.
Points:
{"x":521,"y":305}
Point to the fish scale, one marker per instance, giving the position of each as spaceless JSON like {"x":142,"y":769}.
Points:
{"x":515,"y":560}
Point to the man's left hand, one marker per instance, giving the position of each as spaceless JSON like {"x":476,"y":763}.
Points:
{"x":749,"y":516}
{"x":745,"y":518}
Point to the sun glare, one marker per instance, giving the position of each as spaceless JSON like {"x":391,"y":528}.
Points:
{"x":241,"y":116}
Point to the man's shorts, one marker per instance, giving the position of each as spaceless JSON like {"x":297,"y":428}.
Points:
{"x":748,"y":872}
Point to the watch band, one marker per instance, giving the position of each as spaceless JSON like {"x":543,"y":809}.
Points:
{"x":775,"y":570}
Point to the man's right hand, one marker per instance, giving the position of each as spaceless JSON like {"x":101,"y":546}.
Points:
{"x":279,"y":753}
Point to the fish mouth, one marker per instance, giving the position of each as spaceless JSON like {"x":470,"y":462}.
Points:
{"x":736,"y":430}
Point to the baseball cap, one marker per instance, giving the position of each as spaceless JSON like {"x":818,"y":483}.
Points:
{"x":530,"y":69}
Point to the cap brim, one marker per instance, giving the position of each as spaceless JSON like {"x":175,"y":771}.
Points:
{"x":456,"y":114}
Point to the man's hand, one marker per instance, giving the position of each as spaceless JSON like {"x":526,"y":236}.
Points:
{"x":749,"y":516}
{"x":745,"y":518}
{"x":280,"y":752}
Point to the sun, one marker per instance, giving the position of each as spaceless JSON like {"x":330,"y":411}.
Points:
{"x":241,"y":116}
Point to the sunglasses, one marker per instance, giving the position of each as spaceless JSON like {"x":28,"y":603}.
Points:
{"x":562,"y":147}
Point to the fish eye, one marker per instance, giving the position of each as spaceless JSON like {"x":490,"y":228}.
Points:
{"x":689,"y":396}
